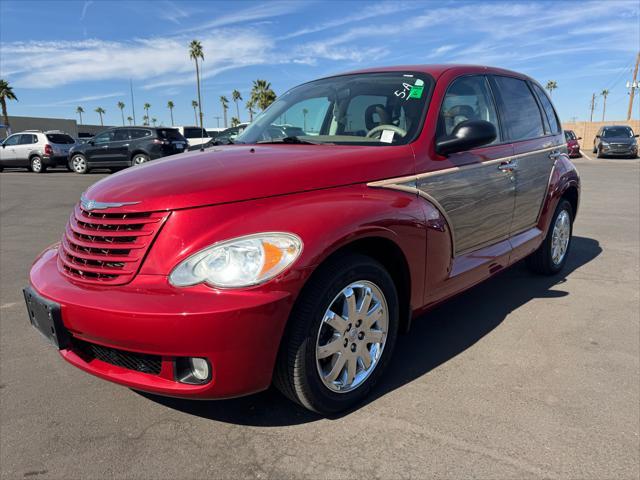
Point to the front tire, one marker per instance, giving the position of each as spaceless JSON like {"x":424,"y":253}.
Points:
{"x":340,"y":335}
{"x":78,"y":164}
{"x":36,"y":165}
{"x":551,"y":256}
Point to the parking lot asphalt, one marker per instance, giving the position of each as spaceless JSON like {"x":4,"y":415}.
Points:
{"x":521,"y":377}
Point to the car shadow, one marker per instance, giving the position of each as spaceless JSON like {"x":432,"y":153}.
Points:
{"x":435,"y":337}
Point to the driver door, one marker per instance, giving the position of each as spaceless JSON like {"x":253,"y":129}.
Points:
{"x":7,"y":152}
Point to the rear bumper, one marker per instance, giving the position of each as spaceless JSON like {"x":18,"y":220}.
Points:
{"x":238,"y":332}
{"x":55,"y":161}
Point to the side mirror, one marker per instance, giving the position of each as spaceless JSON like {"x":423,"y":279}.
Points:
{"x":91,"y":142}
{"x":636,"y":135}
{"x":597,"y":136}
{"x":579,"y":138}
{"x":3,"y":145}
{"x":467,"y":135}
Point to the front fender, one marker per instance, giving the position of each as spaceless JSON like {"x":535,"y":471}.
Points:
{"x":326,"y":220}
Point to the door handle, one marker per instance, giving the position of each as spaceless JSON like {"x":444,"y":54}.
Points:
{"x":508,"y":166}
{"x":555,"y":154}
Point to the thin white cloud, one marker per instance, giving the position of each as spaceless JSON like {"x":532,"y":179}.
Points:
{"x":172,"y":12}
{"x":258,"y":12}
{"x":85,"y":8}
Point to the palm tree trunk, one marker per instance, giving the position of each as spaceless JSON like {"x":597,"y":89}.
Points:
{"x":171,"y":112}
{"x":122,"y":113}
{"x":101,"y":124}
{"x":5,"y":116}
{"x":80,"y":113}
{"x":195,"y":115}
{"x":237,"y":111}
{"x":199,"y":100}
{"x":224,"y":109}
{"x":604,"y":108}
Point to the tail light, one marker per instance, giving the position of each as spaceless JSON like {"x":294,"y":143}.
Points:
{"x":157,"y":141}
{"x":48,"y":150}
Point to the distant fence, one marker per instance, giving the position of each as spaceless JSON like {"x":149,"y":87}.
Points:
{"x":588,"y":130}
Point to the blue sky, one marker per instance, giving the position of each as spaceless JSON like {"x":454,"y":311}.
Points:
{"x":59,"y":55}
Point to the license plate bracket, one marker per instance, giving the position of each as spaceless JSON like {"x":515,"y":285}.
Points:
{"x":46,"y":318}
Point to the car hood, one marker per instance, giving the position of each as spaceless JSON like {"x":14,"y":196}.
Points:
{"x":243,"y":172}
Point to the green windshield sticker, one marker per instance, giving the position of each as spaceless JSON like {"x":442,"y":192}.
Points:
{"x":416,"y":91}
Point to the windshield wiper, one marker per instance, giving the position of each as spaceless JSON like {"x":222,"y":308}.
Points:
{"x":292,"y":139}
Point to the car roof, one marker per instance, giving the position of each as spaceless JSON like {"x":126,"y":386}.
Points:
{"x":437,"y":70}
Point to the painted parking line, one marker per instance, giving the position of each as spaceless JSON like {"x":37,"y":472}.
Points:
{"x":585,"y":155}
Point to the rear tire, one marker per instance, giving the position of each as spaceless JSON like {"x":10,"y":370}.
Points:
{"x":306,"y":371}
{"x":139,"y":159}
{"x":551,"y":256}
{"x":78,"y":164}
{"x":36,"y":165}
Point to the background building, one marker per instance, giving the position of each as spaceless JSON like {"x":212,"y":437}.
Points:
{"x":66,"y":125}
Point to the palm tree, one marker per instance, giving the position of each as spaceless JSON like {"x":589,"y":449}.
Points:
{"x":225,"y":106}
{"x":6,"y":93}
{"x":145,"y":119}
{"x":121,"y":107}
{"x":604,"y":93}
{"x":194,"y":104}
{"x":170,"y":106}
{"x":304,"y":116}
{"x":551,"y":86}
{"x":154,"y":120}
{"x":262,"y":94}
{"x":250,"y":107}
{"x":235,"y":96}
{"x":235,"y":121}
{"x":80,"y":111}
{"x":100,"y":111}
{"x":195,"y":52}
{"x":130,"y":120}
{"x":146,"y":107}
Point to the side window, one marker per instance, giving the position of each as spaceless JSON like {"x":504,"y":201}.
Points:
{"x":104,"y":137}
{"x":139,"y":133}
{"x":550,"y":113}
{"x":25,"y":139}
{"x":12,"y":140}
{"x":192,"y":132}
{"x":121,"y":135}
{"x":467,"y":98}
{"x":521,"y":116}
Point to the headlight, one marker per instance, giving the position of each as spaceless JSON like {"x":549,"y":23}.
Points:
{"x":239,"y":262}
{"x":605,"y":144}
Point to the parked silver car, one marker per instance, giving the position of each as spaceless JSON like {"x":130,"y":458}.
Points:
{"x":35,"y":150}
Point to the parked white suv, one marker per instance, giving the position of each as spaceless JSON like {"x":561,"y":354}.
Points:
{"x":194,"y":135}
{"x":35,"y":150}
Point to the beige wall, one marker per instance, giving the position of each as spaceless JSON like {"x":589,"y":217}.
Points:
{"x":587,"y":130}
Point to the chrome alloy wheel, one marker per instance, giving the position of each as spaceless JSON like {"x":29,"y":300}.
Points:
{"x":352,"y":336}
{"x":79,"y":164}
{"x":139,"y":159}
{"x":560,"y":237}
{"x":36,"y":165}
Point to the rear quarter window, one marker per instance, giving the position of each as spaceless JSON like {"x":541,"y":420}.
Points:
{"x":60,"y":138}
{"x":549,"y":111}
{"x":521,"y":116}
{"x":195,"y":133}
{"x":170,"y":134}
{"x":139,"y":133}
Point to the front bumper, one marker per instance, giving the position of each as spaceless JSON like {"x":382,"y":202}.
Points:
{"x":239,"y":332}
{"x":618,"y":151}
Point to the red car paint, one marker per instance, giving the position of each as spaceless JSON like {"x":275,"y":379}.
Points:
{"x":320,"y":193}
{"x":573,"y":147}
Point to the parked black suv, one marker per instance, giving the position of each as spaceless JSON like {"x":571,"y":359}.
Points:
{"x":126,"y":146}
{"x":616,"y":140}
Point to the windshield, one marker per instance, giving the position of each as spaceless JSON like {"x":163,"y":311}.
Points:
{"x":362,"y":109}
{"x":617,"y":132}
{"x":569,"y":135}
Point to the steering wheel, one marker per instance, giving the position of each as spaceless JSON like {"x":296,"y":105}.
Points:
{"x":380,"y":128}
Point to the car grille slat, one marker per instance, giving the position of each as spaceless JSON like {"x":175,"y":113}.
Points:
{"x":107,"y":247}
{"x":140,"y":362}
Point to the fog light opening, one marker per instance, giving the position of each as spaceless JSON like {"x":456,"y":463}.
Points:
{"x":192,"y":370}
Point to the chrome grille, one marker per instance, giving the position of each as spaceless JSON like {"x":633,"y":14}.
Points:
{"x":107,"y":248}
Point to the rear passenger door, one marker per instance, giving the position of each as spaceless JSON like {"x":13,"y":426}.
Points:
{"x":531,"y":125}
{"x":26,"y":145}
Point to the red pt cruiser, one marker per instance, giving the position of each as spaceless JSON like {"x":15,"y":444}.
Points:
{"x":298,"y":259}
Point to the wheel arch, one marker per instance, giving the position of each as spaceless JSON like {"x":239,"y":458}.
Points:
{"x":391,"y":256}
